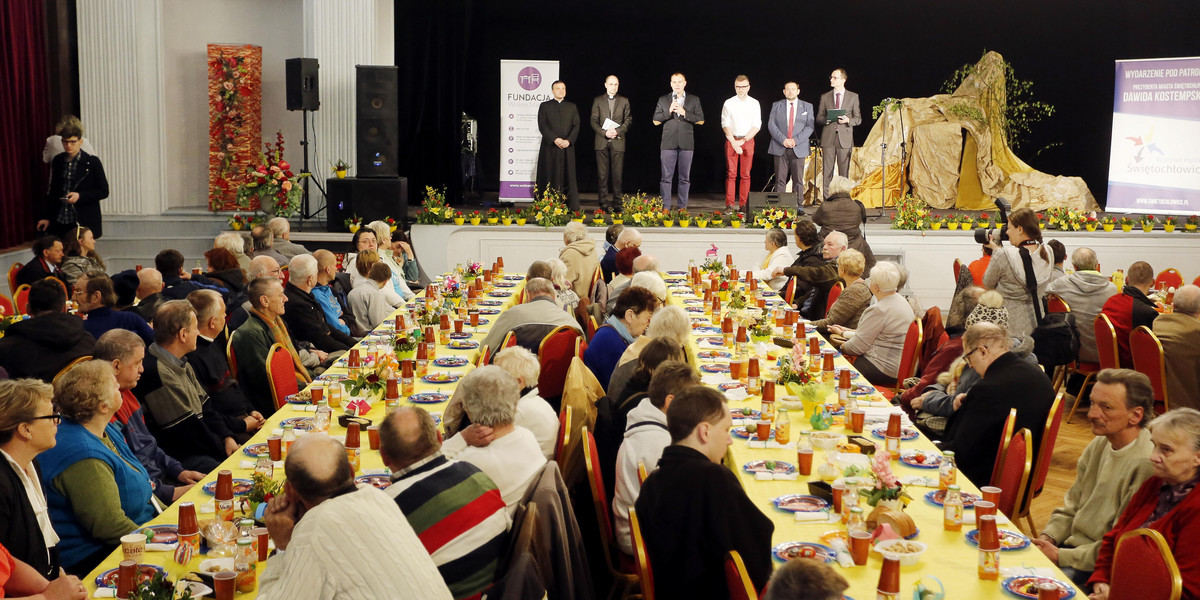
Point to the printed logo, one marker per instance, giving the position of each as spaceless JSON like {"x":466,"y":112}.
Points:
{"x":1144,"y":143}
{"x":529,"y":78}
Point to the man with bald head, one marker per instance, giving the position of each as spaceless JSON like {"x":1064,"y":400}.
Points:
{"x":628,"y":238}
{"x":612,"y":110}
{"x":323,"y":549}
{"x":821,"y":278}
{"x":148,"y":295}
{"x":1179,"y":333}
{"x":330,"y":292}
{"x":455,"y":509}
{"x":646,"y":263}
{"x":532,"y":320}
{"x":1085,"y":291}
{"x":239,"y":304}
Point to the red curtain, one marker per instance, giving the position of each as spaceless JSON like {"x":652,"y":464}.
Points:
{"x":25,"y":119}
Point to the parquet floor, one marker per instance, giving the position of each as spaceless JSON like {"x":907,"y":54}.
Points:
{"x":1073,"y":437}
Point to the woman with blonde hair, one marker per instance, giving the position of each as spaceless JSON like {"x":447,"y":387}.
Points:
{"x":363,"y":262}
{"x":855,"y":297}
{"x":383,"y":238}
{"x":565,"y":296}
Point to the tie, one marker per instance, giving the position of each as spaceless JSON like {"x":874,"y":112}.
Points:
{"x":791,"y":118}
{"x":837,"y":99}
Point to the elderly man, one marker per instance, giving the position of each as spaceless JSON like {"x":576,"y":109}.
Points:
{"x":1008,"y":382}
{"x":330,"y":292}
{"x":1110,"y":470}
{"x":186,"y":423}
{"x":454,"y":508}
{"x":645,"y":263}
{"x":820,"y":278}
{"x":778,"y":255}
{"x":41,"y":346}
{"x":509,"y":454}
{"x":305,"y":317}
{"x":252,"y":341}
{"x":125,"y":351}
{"x":281,"y":230}
{"x":1085,"y":291}
{"x":685,"y":506}
{"x":178,"y":283}
{"x":1179,"y":333}
{"x":48,"y":255}
{"x":532,"y":320}
{"x":260,"y":266}
{"x":148,"y":294}
{"x":264,"y":244}
{"x":94,"y":297}
{"x":236,"y":245}
{"x":579,"y":254}
{"x":318,"y":558}
{"x":211,"y":366}
{"x":1132,"y":308}
{"x":628,"y":238}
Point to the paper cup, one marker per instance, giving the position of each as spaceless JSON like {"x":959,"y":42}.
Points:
{"x":133,"y":546}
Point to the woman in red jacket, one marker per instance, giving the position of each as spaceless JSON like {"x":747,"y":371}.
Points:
{"x":1165,"y":502}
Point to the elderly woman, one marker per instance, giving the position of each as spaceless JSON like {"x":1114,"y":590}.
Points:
{"x":368,"y":301}
{"x":579,"y":254}
{"x":1166,"y":502}
{"x":506,"y":453}
{"x":855,"y":297}
{"x":235,"y":243}
{"x":223,"y":266}
{"x":383,"y":238}
{"x":633,"y":377}
{"x":878,"y":341}
{"x":564,"y":295}
{"x":402,"y":248}
{"x":1006,"y":274}
{"x":629,"y":319}
{"x":363,"y":262}
{"x":79,"y":254}
{"x":842,"y":213}
{"x":96,"y":488}
{"x":623,"y":272}
{"x":652,"y":281}
{"x":778,"y":255}
{"x":533,"y":412}
{"x":28,"y":425}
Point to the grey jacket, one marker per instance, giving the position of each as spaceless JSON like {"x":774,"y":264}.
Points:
{"x":1085,"y":292}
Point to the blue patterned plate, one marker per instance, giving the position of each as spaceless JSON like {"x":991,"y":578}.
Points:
{"x":504,"y":284}
{"x":428,"y":398}
{"x":241,"y":487}
{"x":714,"y":368}
{"x":800,"y":503}
{"x":440,"y":378}
{"x":500,"y":294}
{"x":906,"y":433}
{"x":451,"y":361}
{"x":1009,"y":540}
{"x":462,"y":344}
{"x":760,"y":466}
{"x":490,"y":303}
{"x":789,"y":550}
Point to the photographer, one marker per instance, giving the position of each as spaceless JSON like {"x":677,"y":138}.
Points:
{"x":1016,"y":269}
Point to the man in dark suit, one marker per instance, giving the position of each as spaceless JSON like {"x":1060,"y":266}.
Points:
{"x":77,"y":185}
{"x":678,"y":113}
{"x":610,"y":142}
{"x":837,"y":135}
{"x":790,"y":124}
{"x":558,"y":120}
{"x":48,"y":254}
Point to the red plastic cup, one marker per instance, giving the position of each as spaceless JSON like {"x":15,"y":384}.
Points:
{"x":763,"y":429}
{"x":126,"y":578}
{"x":837,"y":488}
{"x":263,"y":536}
{"x":275,"y":447}
{"x":1048,"y":590}
{"x":474,"y":318}
{"x":352,"y":439}
{"x":373,"y":436}
{"x":804,"y":460}
{"x":458,"y":325}
{"x":991,"y":493}
{"x":984,"y":508}
{"x":857,"y":417}
{"x":317,"y":392}
{"x":860,"y":546}
{"x":223,"y":585}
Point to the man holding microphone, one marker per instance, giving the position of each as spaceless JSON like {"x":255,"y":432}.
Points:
{"x":677,"y":112}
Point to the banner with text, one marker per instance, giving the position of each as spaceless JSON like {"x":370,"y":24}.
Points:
{"x":524,"y":85}
{"x":1154,"y":161}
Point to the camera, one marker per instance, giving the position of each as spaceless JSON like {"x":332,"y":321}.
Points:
{"x":983,"y":236}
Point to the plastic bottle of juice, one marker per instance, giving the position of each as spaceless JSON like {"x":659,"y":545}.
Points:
{"x":783,"y":427}
{"x":322,"y":417}
{"x":948,"y":471}
{"x":952,"y":509}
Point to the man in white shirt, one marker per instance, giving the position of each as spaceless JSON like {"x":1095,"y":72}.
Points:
{"x":741,"y":118}
{"x":533,"y":412}
{"x":507,"y":453}
{"x":323,"y":548}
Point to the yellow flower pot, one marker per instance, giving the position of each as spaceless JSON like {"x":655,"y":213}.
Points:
{"x":506,"y":221}
{"x":1147,"y":228}
{"x":735,"y":224}
{"x":235,"y":226}
{"x":617,"y":221}
{"x":474,"y":220}
{"x":1168,"y":228}
{"x":935,"y":226}
{"x":1189,"y":227}
{"x":493,"y":220}
{"x":997,"y":225}
{"x":459,"y":220}
{"x":521,"y":221}
{"x":724,"y":296}
{"x":1127,"y":228}
{"x":952,"y":226}
{"x":1090,"y":227}
{"x":667,"y":223}
{"x":354,"y":228}
{"x":684,"y":222}
{"x":1108,"y":226}
{"x":391,"y":229}
{"x":597,"y":222}
{"x":701,"y":224}
{"x":579,"y":220}
{"x":341,"y":173}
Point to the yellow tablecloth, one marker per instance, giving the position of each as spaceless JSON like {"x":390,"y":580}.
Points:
{"x":370,"y":459}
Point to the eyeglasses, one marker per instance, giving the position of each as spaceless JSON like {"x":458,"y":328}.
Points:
{"x":967,"y":357}
{"x":56,"y":417}
{"x":741,"y":87}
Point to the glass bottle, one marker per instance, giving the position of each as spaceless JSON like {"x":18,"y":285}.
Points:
{"x":783,"y":427}
{"x":947,"y":471}
{"x":244,"y":564}
{"x":322,"y":417}
{"x":952,"y":508}
{"x":805,"y":440}
{"x":856,"y":522}
{"x":849,"y":498}
{"x":264,"y":466}
{"x":289,"y":437}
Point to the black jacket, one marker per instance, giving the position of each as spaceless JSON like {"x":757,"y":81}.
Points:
{"x":233,"y":280}
{"x":35,"y":270}
{"x":306,"y":321}
{"x":974,"y":430}
{"x":209,"y":362}
{"x":693,"y":511}
{"x":40,"y":347}
{"x":90,"y":182}
{"x":19,"y":531}
{"x":195,"y":439}
{"x":820,"y":277}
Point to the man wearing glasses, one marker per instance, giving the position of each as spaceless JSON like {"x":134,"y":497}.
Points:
{"x":838,"y":112}
{"x":77,"y":185}
{"x":1008,"y":381}
{"x":741,"y":118}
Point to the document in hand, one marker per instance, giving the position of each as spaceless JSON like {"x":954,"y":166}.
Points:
{"x":831,"y":115}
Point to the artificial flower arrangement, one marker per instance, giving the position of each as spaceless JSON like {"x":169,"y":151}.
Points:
{"x":774,"y":217}
{"x":793,"y":367}
{"x":911,"y":213}
{"x":737,"y":300}
{"x":239,"y":222}
{"x":641,"y":209}
{"x":369,"y":381}
{"x":272,"y":183}
{"x":391,"y":223}
{"x":353,"y":224}
{"x":713,"y":265}
{"x":473,"y":269}
{"x":717,"y":220}
{"x":434,"y":209}
{"x":762,"y":328}
{"x":406,"y":345}
{"x":1148,"y":220}
{"x":452,"y":287}
{"x":887,"y":486}
{"x":598,"y":216}
{"x":548,"y":208}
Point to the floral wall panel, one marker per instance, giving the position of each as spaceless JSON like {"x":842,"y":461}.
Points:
{"x":234,"y":119}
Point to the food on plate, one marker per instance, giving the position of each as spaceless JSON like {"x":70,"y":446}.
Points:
{"x":903,"y":547}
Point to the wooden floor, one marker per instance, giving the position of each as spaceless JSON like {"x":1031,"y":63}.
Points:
{"x":1073,"y":437}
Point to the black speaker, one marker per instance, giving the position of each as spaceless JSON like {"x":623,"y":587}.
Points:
{"x":378,"y":120}
{"x":760,"y":200}
{"x":369,"y":199}
{"x":303,"y":87}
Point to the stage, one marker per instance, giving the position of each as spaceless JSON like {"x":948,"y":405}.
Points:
{"x":927,"y":255}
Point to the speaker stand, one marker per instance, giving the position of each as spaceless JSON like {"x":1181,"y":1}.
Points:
{"x":304,"y":214}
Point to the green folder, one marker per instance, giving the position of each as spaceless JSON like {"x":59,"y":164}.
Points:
{"x":832,"y":114}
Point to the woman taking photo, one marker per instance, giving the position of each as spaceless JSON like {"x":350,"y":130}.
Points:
{"x":96,"y":488}
{"x":79,"y":254}
{"x":1006,"y":273}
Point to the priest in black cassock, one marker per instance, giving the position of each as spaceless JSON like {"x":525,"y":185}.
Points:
{"x":558,"y":120}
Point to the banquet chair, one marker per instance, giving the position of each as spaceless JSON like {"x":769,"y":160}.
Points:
{"x":909,"y":359}
{"x":933,"y":330}
{"x":1055,"y":304}
{"x":957,"y":270}
{"x":1144,"y":567}
{"x":789,"y":291}
{"x":1005,"y":435}
{"x":597,"y":275}
{"x":737,"y":579}
{"x":70,"y":366}
{"x":645,"y":574}
{"x":1148,"y":359}
{"x":564,"y":434}
{"x":1106,"y":345}
{"x":6,"y":307}
{"x":622,"y":567}
{"x":554,"y":354}
{"x":12,"y":276}
{"x":642,"y":475}
{"x":1015,"y":467}
{"x":1041,"y":464}
{"x":229,"y":357}
{"x":1196,"y":281}
{"x":592,"y":326}
{"x":281,"y":374}
{"x":285,"y":275}
{"x":834,"y":292}
{"x":1168,"y":278}
{"x":21,"y":298}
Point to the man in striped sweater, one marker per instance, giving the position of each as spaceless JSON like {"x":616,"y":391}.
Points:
{"x":455,"y":509}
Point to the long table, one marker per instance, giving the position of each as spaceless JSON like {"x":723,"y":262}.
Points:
{"x":949,"y":557}
{"x":241,"y":464}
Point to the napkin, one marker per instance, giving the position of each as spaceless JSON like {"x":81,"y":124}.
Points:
{"x":920,"y":481}
{"x":774,"y":476}
{"x":874,"y":404}
{"x":843,"y":553}
{"x":804,"y":517}
{"x":154,"y":547}
{"x":304,"y":408}
{"x":715,"y":378}
{"x":105,"y":592}
{"x":1021,"y":571}
{"x":737,"y":394}
{"x":777,"y":445}
{"x":755,"y":443}
{"x":250,"y":464}
{"x":709,"y":344}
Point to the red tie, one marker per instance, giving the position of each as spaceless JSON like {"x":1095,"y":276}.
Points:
{"x":791,"y":118}
{"x":837,"y":100}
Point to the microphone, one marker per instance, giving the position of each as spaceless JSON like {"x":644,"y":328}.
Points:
{"x":674,"y":99}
